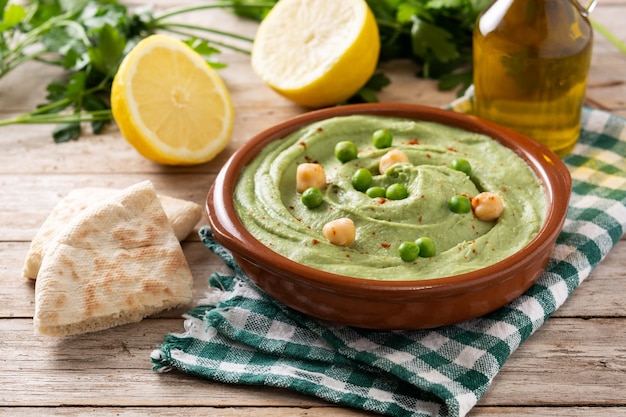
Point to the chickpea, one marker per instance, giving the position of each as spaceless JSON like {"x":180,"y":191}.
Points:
{"x":487,"y":206}
{"x":340,"y":232}
{"x":391,"y":158}
{"x":310,"y":175}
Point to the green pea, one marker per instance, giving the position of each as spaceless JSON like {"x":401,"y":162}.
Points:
{"x":408,"y":251}
{"x":460,"y":204}
{"x":382,"y":138}
{"x":361,"y":179}
{"x":461,"y":165}
{"x":396,"y":192}
{"x":427,"y":247}
{"x":375,"y":192}
{"x":312,"y":197}
{"x":346,"y":151}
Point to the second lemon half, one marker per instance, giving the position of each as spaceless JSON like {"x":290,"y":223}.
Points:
{"x":317,"y":53}
{"x":170,"y":104}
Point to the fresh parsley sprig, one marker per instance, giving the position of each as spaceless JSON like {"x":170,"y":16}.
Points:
{"x":435,"y":34}
{"x":88,"y":39}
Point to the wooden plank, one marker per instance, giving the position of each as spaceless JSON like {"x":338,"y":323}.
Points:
{"x":319,"y":411}
{"x":607,"y":87}
{"x":111,"y":368}
{"x":548,"y":412}
{"x":295,"y":411}
{"x":575,"y":361}
{"x":581,"y":361}
{"x":597,"y":295}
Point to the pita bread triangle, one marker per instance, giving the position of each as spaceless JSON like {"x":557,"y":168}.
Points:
{"x":183,"y":216}
{"x":115,"y":263}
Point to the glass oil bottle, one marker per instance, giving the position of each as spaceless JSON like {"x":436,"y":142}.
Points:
{"x":531,"y":62}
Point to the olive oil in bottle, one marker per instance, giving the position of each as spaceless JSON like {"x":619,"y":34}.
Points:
{"x":531,"y":61}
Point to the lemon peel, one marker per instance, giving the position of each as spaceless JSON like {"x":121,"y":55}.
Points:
{"x":170,"y":105}
{"x":317,"y":53}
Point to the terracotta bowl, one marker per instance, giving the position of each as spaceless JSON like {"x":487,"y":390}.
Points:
{"x":392,"y":304}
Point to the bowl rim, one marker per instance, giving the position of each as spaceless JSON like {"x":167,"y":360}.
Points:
{"x":231,"y":233}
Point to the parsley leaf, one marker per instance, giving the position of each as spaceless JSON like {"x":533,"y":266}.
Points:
{"x":105,"y":53}
{"x":89,"y":39}
{"x":432,"y":42}
{"x":12,"y":16}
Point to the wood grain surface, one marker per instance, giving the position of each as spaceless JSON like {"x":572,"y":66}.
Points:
{"x":575,"y":365}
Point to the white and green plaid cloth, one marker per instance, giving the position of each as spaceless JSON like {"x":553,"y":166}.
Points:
{"x":239,"y":335}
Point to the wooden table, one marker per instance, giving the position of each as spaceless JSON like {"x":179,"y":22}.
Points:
{"x":575,"y":365}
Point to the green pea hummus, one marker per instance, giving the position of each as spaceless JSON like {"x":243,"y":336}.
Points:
{"x":270,"y":208}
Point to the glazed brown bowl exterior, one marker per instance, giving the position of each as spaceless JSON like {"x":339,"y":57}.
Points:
{"x":398,"y":305}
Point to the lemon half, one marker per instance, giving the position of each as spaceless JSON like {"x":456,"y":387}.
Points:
{"x":317,"y":53}
{"x":170,"y":104}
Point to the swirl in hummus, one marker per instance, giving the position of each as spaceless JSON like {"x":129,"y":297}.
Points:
{"x":271,"y":209}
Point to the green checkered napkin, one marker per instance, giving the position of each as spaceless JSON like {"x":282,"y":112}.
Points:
{"x":237,"y":334}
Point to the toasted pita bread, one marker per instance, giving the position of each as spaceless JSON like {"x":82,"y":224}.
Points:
{"x":182,"y":215}
{"x":116,"y":262}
